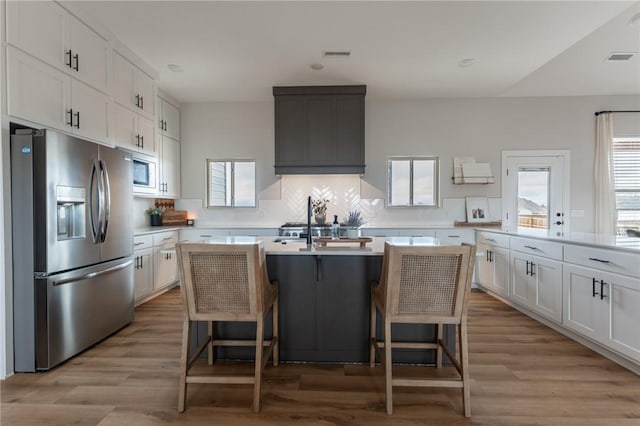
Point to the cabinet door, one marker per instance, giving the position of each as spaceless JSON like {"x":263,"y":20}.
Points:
{"x":164,"y":268}
{"x":36,"y":91}
{"x":621,"y":314}
{"x":146,"y":89}
{"x":125,"y":127}
{"x":92,"y":55}
{"x":171,"y":117}
{"x":39,"y":28}
{"x":93,"y":109}
{"x":124,"y":79}
{"x":143,"y":272}
{"x":146,"y":131}
{"x":485,"y":267}
{"x":500,"y":259}
{"x":520,"y":283}
{"x":290,"y":130}
{"x":548,"y":288}
{"x":349,"y":129}
{"x":320,"y":147}
{"x":581,"y":311}
{"x":170,"y":167}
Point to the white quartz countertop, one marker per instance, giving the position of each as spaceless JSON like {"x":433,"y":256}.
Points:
{"x":629,"y":244}
{"x":299,"y":248}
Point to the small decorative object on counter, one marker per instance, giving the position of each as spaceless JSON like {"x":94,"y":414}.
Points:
{"x":335,"y":228}
{"x":156,"y":216}
{"x":191,"y":222}
{"x":353,"y":223}
{"x":320,"y":210}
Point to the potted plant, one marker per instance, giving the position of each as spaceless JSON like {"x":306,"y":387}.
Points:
{"x":156,"y":216}
{"x":353,"y":223}
{"x":320,"y":210}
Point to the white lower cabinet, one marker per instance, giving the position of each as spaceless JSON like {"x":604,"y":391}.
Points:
{"x":604,"y":307}
{"x":536,"y":283}
{"x":155,"y":266}
{"x":143,"y":273}
{"x":493,"y":268}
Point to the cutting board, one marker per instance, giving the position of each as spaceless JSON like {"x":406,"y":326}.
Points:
{"x":174,"y":217}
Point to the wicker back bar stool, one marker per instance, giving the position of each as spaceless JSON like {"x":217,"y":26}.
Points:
{"x":226,"y":282}
{"x":423,"y":285}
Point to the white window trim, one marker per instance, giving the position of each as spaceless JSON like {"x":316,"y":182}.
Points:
{"x":436,"y":185}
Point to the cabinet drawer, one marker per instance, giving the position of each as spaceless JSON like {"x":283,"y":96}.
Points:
{"x":169,"y":237}
{"x":537,"y":247}
{"x":455,"y":236}
{"x":142,"y":242}
{"x":490,"y":238}
{"x":605,"y":260}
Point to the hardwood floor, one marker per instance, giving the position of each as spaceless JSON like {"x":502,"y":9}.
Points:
{"x":522,"y":373}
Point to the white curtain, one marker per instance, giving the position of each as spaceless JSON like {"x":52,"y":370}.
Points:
{"x":605,"y":204}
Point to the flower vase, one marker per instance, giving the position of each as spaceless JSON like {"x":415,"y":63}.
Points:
{"x":353,"y":233}
{"x":321,"y":218}
{"x":156,"y":220}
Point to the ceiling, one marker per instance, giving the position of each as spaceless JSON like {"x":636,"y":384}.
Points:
{"x":238,"y":50}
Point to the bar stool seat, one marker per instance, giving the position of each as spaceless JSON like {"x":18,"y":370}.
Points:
{"x":226,"y":282}
{"x":423,"y":285}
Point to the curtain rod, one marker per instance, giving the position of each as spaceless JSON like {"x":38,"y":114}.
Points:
{"x":612,"y":112}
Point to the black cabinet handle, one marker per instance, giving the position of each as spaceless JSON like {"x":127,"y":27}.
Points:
{"x":594,"y":293}
{"x":136,"y":264}
{"x":138,"y":141}
{"x":602,"y":284}
{"x":138,"y":101}
{"x":533,"y":274}
{"x":527,"y":267}
{"x":142,"y":102}
{"x":492,"y":256}
{"x":70,"y":122}
{"x":599,"y":260}
{"x":165,"y":125}
{"x":77,"y":114}
{"x":487,"y":256}
{"x":68,"y":63}
{"x":142,"y":141}
{"x":77,"y":67}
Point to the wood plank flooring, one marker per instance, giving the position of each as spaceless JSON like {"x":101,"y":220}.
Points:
{"x":522,"y":372}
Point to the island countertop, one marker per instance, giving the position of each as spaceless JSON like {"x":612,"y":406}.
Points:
{"x":299,"y":248}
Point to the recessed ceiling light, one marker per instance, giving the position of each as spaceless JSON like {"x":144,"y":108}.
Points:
{"x":619,"y":56}
{"x":337,"y":53}
{"x":175,"y":67}
{"x":317,"y":67}
{"x":635,"y":19}
{"x":467,"y":62}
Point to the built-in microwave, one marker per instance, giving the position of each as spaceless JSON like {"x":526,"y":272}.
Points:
{"x":145,"y":177}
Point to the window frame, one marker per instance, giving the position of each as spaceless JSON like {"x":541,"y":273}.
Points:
{"x":436,"y":181}
{"x":616,"y":190}
{"x":233,"y":162}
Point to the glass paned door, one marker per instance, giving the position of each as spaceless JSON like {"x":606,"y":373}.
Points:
{"x":534,"y":192}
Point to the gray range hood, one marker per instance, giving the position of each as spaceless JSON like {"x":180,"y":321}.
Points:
{"x":319,"y":129}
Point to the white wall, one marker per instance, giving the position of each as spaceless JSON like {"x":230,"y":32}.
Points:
{"x":445,"y":127}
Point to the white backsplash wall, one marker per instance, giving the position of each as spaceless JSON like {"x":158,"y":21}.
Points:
{"x":287,"y":202}
{"x":140,"y":206}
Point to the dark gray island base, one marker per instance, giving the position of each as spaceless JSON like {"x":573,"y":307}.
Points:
{"x":324,"y":313}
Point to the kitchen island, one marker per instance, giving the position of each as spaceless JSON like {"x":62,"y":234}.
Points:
{"x":325,"y":298}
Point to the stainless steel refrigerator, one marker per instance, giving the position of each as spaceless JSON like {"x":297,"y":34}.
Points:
{"x":72,"y":245}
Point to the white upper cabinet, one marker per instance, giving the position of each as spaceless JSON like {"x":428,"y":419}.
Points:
{"x":169,"y":120}
{"x":40,"y":93}
{"x":47,"y":31}
{"x":132,"y":87}
{"x":133,"y":131}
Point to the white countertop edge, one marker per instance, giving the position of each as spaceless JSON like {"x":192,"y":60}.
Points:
{"x":626,"y":244}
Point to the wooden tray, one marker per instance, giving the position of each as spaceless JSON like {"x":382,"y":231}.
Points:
{"x":174,"y":217}
{"x":323,"y":241}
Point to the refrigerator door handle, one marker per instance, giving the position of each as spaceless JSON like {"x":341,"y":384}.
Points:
{"x":93,"y":200}
{"x":93,"y":274}
{"x":104,"y":175}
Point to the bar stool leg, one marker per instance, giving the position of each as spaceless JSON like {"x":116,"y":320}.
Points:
{"x":210,"y":348}
{"x":464,"y":362}
{"x":184,"y":360}
{"x":372,"y":333}
{"x":258,"y":370}
{"x":439,"y":336}
{"x":388,"y":379}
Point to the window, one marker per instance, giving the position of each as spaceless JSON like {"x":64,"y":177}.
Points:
{"x":231,"y":183}
{"x":626,"y":177}
{"x":413,"y":182}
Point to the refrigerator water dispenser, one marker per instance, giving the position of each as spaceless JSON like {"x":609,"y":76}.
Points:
{"x":71,"y":203}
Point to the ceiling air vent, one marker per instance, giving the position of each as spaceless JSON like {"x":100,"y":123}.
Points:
{"x":337,"y":53}
{"x":617,"y":57}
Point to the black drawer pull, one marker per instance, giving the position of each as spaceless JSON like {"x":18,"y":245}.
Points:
{"x":602,"y":284}
{"x":531,"y":247}
{"x":599,"y":260}
{"x":594,"y":293}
